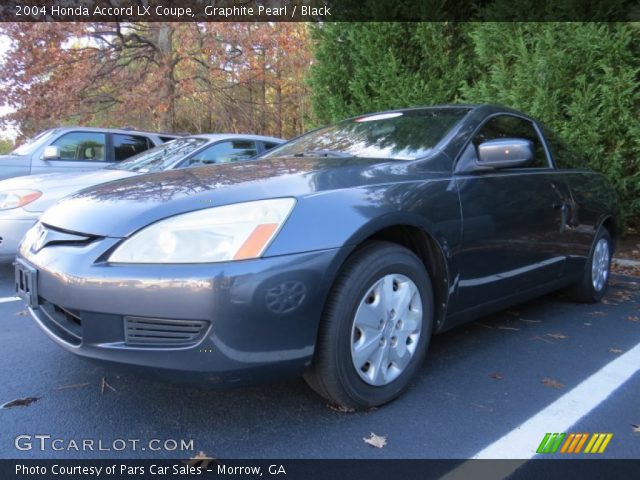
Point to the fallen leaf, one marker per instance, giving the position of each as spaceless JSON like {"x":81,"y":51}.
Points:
{"x":340,"y":408}
{"x":636,"y":428}
{"x":20,"y":402}
{"x":633,"y":318}
{"x":75,"y":385}
{"x":200,"y":459}
{"x":502,"y":327}
{"x":375,"y":440}
{"x":587,"y":324}
{"x":21,"y":313}
{"x":104,"y":385}
{"x":496,"y":376}
{"x":550,"y":382}
{"x":615,"y":350}
{"x":557,"y":336}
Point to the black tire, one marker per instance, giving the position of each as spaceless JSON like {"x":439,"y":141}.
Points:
{"x":333,"y":374}
{"x":585,"y":291}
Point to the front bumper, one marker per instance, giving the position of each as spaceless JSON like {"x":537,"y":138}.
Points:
{"x":13,"y":225}
{"x":249,"y":321}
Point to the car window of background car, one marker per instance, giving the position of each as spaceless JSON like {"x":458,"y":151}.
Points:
{"x":82,"y":146}
{"x":162,"y":156}
{"x":397,"y":135}
{"x":33,"y":144}
{"x":224,"y":152}
{"x":269,"y":145}
{"x":125,"y":146}
{"x":509,"y":126}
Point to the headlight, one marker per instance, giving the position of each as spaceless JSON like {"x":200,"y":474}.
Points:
{"x":18,"y":198}
{"x":231,"y":232}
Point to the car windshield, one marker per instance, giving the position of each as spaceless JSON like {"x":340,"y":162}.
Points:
{"x":402,"y":135}
{"x":161,"y":157}
{"x":34,"y":143}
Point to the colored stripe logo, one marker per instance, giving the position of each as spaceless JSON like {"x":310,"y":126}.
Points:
{"x":574,"y":442}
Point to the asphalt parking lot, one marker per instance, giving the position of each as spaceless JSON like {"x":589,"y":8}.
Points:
{"x":479,"y":383}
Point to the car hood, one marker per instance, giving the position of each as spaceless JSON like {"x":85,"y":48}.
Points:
{"x":4,"y":159}
{"x":119,"y":208}
{"x":55,"y":186}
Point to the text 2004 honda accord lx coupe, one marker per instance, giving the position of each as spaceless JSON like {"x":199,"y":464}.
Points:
{"x":337,"y":255}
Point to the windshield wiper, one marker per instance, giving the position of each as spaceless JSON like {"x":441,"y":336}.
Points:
{"x":323,"y":153}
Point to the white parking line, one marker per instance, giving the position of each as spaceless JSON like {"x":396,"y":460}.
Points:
{"x":522,"y":442}
{"x":9,"y":299}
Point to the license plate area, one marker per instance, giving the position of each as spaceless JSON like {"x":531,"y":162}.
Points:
{"x":27,"y":283}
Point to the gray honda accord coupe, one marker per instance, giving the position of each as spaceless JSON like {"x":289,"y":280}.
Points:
{"x":336,"y":256}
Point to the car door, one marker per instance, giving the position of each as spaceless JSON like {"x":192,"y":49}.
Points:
{"x":227,"y":151}
{"x":79,"y":150}
{"x":512,"y":219}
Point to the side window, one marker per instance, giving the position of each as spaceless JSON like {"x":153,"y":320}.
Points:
{"x":269,"y":145}
{"x":125,"y":146}
{"x":508,"y":126}
{"x":82,"y":146}
{"x":224,"y":152}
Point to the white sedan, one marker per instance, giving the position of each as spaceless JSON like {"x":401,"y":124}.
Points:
{"x":24,"y":199}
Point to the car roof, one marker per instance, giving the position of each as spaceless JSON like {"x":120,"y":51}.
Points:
{"x":231,"y":136}
{"x":117,"y":130}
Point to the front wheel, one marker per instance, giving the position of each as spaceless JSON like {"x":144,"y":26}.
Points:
{"x":375,"y":328}
{"x":593,"y":285}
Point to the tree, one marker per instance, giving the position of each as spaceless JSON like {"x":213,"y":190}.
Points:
{"x":157,"y":75}
{"x":362,"y":67}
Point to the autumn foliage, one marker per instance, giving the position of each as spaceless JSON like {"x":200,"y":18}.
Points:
{"x":195,"y":77}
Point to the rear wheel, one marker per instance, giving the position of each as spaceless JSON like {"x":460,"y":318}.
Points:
{"x":375,"y":328}
{"x":593,"y":285}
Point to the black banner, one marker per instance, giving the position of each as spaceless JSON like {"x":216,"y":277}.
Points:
{"x":317,"y":10}
{"x":319,"y":469}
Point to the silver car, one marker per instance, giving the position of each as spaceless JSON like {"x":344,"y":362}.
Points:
{"x":24,"y":199}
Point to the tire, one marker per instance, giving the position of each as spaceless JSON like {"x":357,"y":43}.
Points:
{"x":598,"y":266}
{"x":379,"y":275}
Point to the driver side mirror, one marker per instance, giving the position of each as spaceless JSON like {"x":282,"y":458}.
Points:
{"x":505,"y":153}
{"x":51,"y":152}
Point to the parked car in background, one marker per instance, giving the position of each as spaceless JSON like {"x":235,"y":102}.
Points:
{"x":23,"y":199}
{"x":77,"y":148}
{"x":336,"y":256}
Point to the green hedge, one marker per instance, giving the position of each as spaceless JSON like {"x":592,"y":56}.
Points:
{"x":580,"y":79}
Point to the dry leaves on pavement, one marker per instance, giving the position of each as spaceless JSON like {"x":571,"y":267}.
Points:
{"x":550,"y":382}
{"x":496,"y":376}
{"x":617,"y":351}
{"x":20,"y":402}
{"x":340,"y":408}
{"x":200,"y":459}
{"x":375,"y":440}
{"x":635,"y":428}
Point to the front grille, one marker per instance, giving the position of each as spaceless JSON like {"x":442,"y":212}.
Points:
{"x":65,"y":323}
{"x":161,"y":332}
